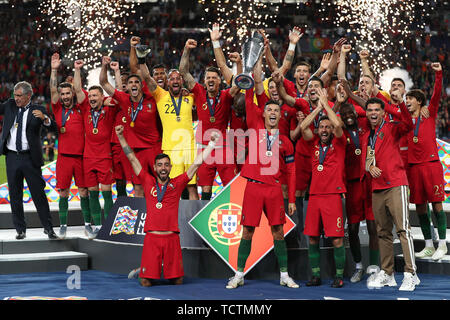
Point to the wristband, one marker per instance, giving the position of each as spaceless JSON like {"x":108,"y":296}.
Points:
{"x":292,"y":46}
{"x":216,"y":44}
{"x":141,"y":60}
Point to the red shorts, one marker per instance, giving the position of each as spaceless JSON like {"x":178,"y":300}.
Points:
{"x":147,"y":159}
{"x":220,"y":160}
{"x":121,"y":165}
{"x":358,"y":202}
{"x":324,"y":211}
{"x":426,"y":182}
{"x":303,"y":171}
{"x":159,"y":249}
{"x":68,"y":166}
{"x":97,"y":171}
{"x":259,"y":197}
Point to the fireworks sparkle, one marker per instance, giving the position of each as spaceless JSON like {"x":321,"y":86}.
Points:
{"x":84,"y":26}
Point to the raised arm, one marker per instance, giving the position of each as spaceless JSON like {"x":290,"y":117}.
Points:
{"x":364,"y":57}
{"x":257,"y":76}
{"x":104,"y":76}
{"x":337,"y":123}
{"x":326,"y":77}
{"x":305,"y":126}
{"x":114,"y":65}
{"x":55,"y":63}
{"x":200,"y":158}
{"x":279,"y":79}
{"x":437,"y":90}
{"x":77,"y":81}
{"x":341,"y":69}
{"x":184,"y":64}
{"x":215,"y":35}
{"x":135,"y":164}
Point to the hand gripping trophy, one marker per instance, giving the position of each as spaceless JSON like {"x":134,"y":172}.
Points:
{"x":251,"y":51}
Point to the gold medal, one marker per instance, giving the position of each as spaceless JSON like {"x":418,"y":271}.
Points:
{"x":371,"y":152}
{"x":62,"y":130}
{"x":320,"y":167}
{"x":415,"y":139}
{"x":16,"y":125}
{"x":158,"y":205}
{"x":124,"y":120}
{"x":357,"y":152}
{"x":212,"y":119}
{"x":95,"y":131}
{"x":132,"y":124}
{"x":178,"y":118}
{"x":269,"y":153}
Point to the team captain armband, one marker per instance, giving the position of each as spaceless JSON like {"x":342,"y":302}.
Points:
{"x":289,"y":158}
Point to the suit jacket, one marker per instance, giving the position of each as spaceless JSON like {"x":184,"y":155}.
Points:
{"x":9,"y":110}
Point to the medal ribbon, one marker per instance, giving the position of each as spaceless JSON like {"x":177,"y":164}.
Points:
{"x":134,"y":112}
{"x":271,"y":139}
{"x":65,"y":115}
{"x":316,"y":120}
{"x":160,"y":192}
{"x":96,"y":116}
{"x":373,"y":138}
{"x":212,"y":108}
{"x":175,"y":105}
{"x":355,"y":138}
{"x":323,"y":153}
{"x":416,"y":129}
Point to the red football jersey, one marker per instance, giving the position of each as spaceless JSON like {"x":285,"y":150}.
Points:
{"x":291,"y":89}
{"x":145,"y":132}
{"x":221,"y":107}
{"x":165,"y":218}
{"x":72,"y":140}
{"x":387,"y":151}
{"x":352,"y":159}
{"x":331,"y":178}
{"x":425,"y":149}
{"x":98,"y":145}
{"x":259,"y":165}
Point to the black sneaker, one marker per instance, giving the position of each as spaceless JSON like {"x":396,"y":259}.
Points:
{"x":51,"y":234}
{"x":314,"y":282}
{"x":21,"y":236}
{"x":337,"y":283}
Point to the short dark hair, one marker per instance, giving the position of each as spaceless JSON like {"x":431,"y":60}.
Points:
{"x":95,"y":87}
{"x":159,"y":66}
{"x":213,"y":69}
{"x":303,"y":63}
{"x":347,"y":105}
{"x":271,"y":102}
{"x":64,"y":85}
{"x":161,"y":156}
{"x":323,"y":117}
{"x":133,"y":75}
{"x":375,"y":101}
{"x":315,"y":78}
{"x":399,"y":79}
{"x":418,"y":94}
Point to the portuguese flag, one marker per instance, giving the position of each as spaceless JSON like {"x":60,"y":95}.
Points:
{"x":218,"y":225}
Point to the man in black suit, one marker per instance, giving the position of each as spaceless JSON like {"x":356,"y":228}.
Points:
{"x":20,"y":142}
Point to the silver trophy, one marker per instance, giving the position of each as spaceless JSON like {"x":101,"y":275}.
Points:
{"x":251,"y":51}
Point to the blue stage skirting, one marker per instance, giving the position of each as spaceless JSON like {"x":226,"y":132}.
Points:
{"x":99,"y":285}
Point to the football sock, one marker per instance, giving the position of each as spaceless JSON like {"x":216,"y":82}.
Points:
{"x":374,"y":257}
{"x":314,"y":259}
{"x":441,"y":224}
{"x":339,"y":259}
{"x":206,"y":195}
{"x":94,"y":205}
{"x":121,"y":189}
{"x":425,"y":225}
{"x":108,"y":203}
{"x":243,"y":252}
{"x":281,"y":253}
{"x":85,"y":210}
{"x":63,"y":210}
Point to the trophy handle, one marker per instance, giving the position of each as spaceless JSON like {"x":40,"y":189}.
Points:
{"x":244,"y":81}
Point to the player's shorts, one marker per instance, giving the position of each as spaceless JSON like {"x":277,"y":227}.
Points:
{"x":220,"y":160}
{"x":259,"y":197}
{"x":181,"y":160}
{"x":68,"y":166}
{"x":324,"y":211}
{"x":146,"y":158}
{"x":159,"y":249}
{"x":358,"y":201}
{"x":303,"y":171}
{"x":426,"y":182}
{"x":97,"y":171}
{"x":122,"y":169}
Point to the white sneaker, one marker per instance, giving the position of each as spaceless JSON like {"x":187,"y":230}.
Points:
{"x":134,"y":274}
{"x":357,"y":276}
{"x":410,"y":281}
{"x":235,"y":282}
{"x":288,"y":282}
{"x":426,"y":252}
{"x":382,"y":279}
{"x":440,"y":252}
{"x":373,"y":271}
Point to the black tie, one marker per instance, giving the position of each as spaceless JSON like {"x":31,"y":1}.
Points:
{"x":19,"y":129}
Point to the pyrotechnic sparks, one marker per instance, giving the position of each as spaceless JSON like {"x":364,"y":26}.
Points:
{"x":85,"y":25}
{"x":380,"y":26}
{"x":239,"y":18}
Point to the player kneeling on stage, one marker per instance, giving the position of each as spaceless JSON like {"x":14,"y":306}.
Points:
{"x":162,"y":195}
